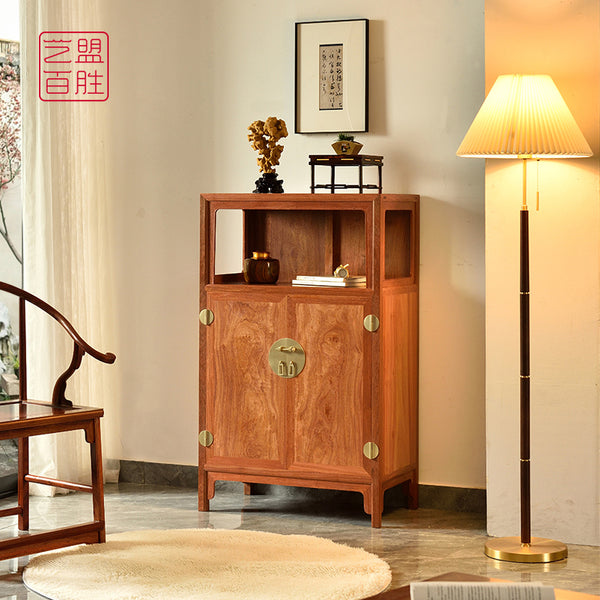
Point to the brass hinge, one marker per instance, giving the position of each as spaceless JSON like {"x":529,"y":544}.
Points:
{"x":206,"y":316}
{"x":371,"y":450}
{"x":371,"y":323}
{"x":205,"y":438}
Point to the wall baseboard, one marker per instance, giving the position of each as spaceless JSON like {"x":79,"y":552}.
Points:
{"x":133,"y":471}
{"x":186,"y":476}
{"x":457,"y":499}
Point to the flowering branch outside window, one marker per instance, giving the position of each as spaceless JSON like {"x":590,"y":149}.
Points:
{"x":10,"y":141}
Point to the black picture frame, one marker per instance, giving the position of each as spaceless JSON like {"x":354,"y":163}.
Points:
{"x":324,"y":49}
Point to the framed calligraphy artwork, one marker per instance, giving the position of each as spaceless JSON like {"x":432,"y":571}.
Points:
{"x":332,"y":76}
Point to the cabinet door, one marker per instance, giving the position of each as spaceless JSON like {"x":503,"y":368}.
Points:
{"x":329,"y":401}
{"x":245,"y":402}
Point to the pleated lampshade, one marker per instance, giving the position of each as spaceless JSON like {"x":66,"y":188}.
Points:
{"x":524,"y":116}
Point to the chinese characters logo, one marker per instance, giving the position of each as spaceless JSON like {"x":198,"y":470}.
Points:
{"x":73,"y":66}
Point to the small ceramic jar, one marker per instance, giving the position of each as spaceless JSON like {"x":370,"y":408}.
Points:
{"x":261,"y":268}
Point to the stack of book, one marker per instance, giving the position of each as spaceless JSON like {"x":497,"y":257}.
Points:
{"x":315,"y":280}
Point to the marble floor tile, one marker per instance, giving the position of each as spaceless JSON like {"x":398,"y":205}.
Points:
{"x":417,"y":544}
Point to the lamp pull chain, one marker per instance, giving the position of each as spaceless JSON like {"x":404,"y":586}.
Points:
{"x":537,"y":185}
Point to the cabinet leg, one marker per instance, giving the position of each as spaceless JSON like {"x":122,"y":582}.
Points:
{"x":376,"y":520}
{"x":247,"y":489}
{"x":203,"y":504}
{"x":373,"y":504}
{"x":376,"y":505}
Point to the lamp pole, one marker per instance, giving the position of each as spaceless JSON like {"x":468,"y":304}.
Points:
{"x":525,"y":367}
{"x":525,"y":548}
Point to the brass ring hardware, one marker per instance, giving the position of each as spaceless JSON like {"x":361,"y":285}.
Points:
{"x":280,"y":361}
{"x":205,"y":438}
{"x":371,"y":450}
{"x":206,"y":316}
{"x":371,"y":323}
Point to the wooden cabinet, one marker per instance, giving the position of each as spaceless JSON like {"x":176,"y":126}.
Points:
{"x":348,"y":419}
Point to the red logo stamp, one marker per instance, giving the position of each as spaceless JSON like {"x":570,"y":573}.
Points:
{"x":73,"y":66}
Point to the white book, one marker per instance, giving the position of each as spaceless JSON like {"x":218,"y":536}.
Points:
{"x":332,"y":278}
{"x":329,"y":282}
{"x":449,"y":590}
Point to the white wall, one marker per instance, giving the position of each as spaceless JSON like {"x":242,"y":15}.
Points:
{"x":563,"y":40}
{"x":185,"y":84}
{"x":161,"y":157}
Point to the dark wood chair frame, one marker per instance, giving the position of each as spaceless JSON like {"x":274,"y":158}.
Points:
{"x":23,"y":418}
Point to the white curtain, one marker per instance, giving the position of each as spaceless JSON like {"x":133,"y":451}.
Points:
{"x":67,"y":245}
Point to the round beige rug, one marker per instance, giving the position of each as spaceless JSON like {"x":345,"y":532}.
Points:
{"x":207,"y":563}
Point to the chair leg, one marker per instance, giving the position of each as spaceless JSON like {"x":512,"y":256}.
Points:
{"x":98,"y":480}
{"x":23,"y":485}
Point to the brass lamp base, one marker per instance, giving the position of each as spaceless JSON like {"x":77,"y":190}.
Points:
{"x":540,"y":550}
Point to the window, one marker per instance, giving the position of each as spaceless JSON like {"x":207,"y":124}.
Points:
{"x":11,"y":213}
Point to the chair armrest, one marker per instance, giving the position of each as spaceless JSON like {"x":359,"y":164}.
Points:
{"x":80,"y":346}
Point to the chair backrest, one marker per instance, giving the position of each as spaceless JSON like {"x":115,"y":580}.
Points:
{"x":80,"y":346}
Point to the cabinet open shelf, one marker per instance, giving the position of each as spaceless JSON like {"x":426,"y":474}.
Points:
{"x":315,"y":241}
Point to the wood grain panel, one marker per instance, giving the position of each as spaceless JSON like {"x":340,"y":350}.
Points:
{"x":349,"y":241}
{"x":300,"y":239}
{"x":399,"y":380}
{"x":398,"y":237}
{"x":328,"y":402}
{"x":245,"y":402}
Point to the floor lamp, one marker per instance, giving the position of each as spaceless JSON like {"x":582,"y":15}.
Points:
{"x":524,"y":117}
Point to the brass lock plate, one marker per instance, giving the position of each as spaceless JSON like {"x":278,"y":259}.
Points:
{"x":287,"y":358}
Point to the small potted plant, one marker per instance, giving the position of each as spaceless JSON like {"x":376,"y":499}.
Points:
{"x":345,"y":144}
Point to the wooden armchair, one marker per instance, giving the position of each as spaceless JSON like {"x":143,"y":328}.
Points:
{"x":22,"y":418}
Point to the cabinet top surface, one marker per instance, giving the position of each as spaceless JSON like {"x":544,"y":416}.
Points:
{"x":307,"y":200}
